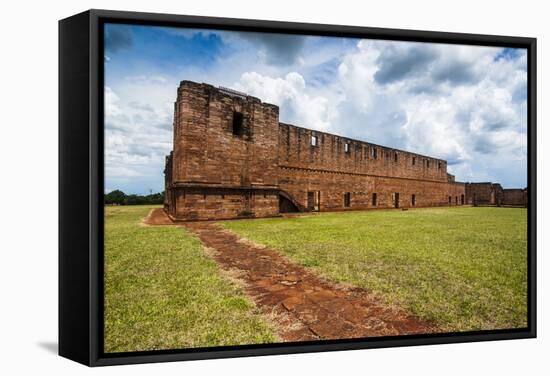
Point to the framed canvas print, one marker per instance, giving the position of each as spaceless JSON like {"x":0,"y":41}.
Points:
{"x":236,"y":187}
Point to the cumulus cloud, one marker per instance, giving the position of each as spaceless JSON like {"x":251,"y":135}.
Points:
{"x":461,"y":65}
{"x":399,"y":60}
{"x":138,"y":136}
{"x":461,"y":103}
{"x":289,"y":93}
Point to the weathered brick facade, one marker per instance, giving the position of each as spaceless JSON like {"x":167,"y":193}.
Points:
{"x":493,"y":194}
{"x":232,"y":158}
{"x":514,"y":197}
{"x":485,"y":193}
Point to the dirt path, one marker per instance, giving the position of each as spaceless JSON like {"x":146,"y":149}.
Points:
{"x":157,"y":217}
{"x":306,"y":307}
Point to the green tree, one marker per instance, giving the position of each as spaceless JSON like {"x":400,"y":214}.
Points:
{"x":115,"y":197}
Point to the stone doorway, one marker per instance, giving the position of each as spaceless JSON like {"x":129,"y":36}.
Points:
{"x":286,"y":204}
{"x":395,"y":199}
{"x":314,"y":200}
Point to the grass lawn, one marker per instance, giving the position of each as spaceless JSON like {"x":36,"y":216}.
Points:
{"x":163,"y":292}
{"x":462,"y":268}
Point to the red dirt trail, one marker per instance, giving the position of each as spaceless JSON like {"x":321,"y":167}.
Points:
{"x":306,"y":306}
{"x":157,"y":217}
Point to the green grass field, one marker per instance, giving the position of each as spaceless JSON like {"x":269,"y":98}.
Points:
{"x":461,"y":268}
{"x":163,"y":292}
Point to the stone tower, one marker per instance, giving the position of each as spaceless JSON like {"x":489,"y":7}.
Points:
{"x":224,"y":160}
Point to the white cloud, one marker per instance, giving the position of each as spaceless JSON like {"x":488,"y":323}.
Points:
{"x":120,"y":172}
{"x":138,"y":134}
{"x":458,"y":103}
{"x":146,"y":79}
{"x":290,"y":94}
{"x":111,"y":102}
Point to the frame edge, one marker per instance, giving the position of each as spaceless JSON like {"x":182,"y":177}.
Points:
{"x":74,"y":246}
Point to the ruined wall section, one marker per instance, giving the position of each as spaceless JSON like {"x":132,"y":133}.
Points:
{"x":492,"y":194}
{"x":312,"y":161}
{"x":329,"y":153}
{"x":514,"y":197}
{"x":484,"y":193}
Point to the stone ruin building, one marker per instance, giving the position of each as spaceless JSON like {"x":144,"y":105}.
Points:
{"x":232,"y":158}
{"x":493,"y":194}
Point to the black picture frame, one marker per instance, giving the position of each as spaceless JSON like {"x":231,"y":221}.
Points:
{"x":81,"y":186}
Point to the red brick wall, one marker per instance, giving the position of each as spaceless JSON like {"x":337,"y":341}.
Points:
{"x":333,"y":185}
{"x":514,"y":197}
{"x":485,"y":193}
{"x":218,"y":203}
{"x":328,"y":168}
{"x":295,"y":150}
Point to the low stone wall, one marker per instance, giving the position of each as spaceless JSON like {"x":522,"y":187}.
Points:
{"x":192,"y":204}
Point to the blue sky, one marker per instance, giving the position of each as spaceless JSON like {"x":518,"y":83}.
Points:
{"x":464,"y":104}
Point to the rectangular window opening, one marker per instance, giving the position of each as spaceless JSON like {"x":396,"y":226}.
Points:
{"x":347,"y":199}
{"x":237,"y":123}
{"x":413,"y":200}
{"x":313,"y":140}
{"x":314,"y":200}
{"x":395,"y":157}
{"x":414,"y":161}
{"x":346,"y":147}
{"x":374,"y":199}
{"x":395,"y":199}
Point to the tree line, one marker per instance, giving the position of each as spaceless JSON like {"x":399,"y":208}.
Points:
{"x":117,"y":197}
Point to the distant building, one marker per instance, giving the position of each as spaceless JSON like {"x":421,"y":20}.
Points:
{"x":488,"y":193}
